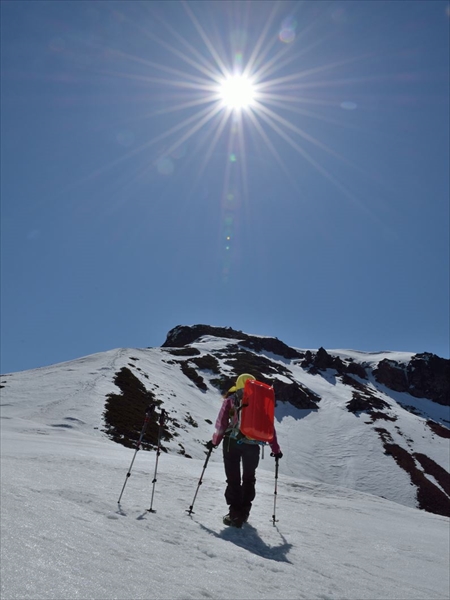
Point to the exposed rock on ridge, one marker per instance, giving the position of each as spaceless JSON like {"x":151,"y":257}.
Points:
{"x":182,"y":335}
{"x":426,"y":376}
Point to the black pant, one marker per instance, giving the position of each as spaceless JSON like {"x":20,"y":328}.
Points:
{"x":240,"y":495}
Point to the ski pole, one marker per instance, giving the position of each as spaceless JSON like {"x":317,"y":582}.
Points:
{"x":274,"y":519}
{"x":200,"y":481}
{"x":148,"y":414}
{"x":158,"y":452}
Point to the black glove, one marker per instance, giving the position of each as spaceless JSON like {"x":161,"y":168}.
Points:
{"x":210,"y":445}
{"x":277,"y":455}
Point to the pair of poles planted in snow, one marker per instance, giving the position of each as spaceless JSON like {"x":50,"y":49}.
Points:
{"x":148,"y":413}
{"x":190,"y":510}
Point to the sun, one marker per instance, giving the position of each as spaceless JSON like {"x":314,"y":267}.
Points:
{"x":237,"y":92}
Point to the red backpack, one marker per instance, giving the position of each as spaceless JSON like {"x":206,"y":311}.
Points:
{"x":257,"y":411}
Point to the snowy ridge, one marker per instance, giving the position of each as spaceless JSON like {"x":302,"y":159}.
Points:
{"x":348,"y":520}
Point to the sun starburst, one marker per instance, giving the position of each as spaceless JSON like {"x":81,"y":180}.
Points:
{"x":254,"y":93}
{"x":237,"y":92}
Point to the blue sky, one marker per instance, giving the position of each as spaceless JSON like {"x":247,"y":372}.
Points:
{"x":134,"y":199}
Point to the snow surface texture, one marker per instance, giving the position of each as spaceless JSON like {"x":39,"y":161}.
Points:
{"x":64,"y":535}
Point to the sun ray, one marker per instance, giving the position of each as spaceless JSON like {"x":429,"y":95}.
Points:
{"x":243,"y":155}
{"x":206,"y":40}
{"x":178,"y":107}
{"x":207,"y":87}
{"x":217,"y":134}
{"x":306,"y":73}
{"x":202,"y":116}
{"x":309,"y":113}
{"x":335,"y":82}
{"x":164,"y":68}
{"x":212,"y":72}
{"x":269,"y":144}
{"x":214,"y":111}
{"x":255,"y":54}
{"x":316,"y":142}
{"x":314,"y":163}
{"x":274,"y":65}
{"x":304,"y":135}
{"x":271,"y":96}
{"x":285,"y":103}
{"x":207,"y":69}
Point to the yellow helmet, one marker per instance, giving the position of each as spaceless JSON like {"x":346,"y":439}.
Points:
{"x":230,"y":391}
{"x":240,"y":381}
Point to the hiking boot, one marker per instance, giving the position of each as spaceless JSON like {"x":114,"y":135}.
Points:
{"x":227,"y":520}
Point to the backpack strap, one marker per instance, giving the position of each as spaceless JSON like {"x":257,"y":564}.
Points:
{"x":233,"y":430}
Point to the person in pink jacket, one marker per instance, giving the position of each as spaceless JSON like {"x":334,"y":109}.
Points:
{"x":237,"y":449}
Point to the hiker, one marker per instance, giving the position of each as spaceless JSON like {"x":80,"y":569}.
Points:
{"x":239,"y":495}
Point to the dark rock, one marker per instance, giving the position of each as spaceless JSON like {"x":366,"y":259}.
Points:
{"x":323,"y":360}
{"x":429,"y":377}
{"x":338,"y":364}
{"x":296,"y":394}
{"x":184,"y":351}
{"x":354,"y":368}
{"x":306,"y":362}
{"x":439,"y":429}
{"x":207,"y":362}
{"x":125,"y":413}
{"x":429,"y":496}
{"x":425,"y":376}
{"x":392,"y":375}
{"x":182,"y":335}
{"x":192,"y":374}
{"x":365,"y":403}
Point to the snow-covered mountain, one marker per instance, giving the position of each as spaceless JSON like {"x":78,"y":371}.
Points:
{"x":365,"y":438}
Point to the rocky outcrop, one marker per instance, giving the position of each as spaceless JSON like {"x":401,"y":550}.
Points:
{"x":125,"y":411}
{"x":392,"y":375}
{"x":296,"y":394}
{"x":182,"y":335}
{"x":245,"y":356}
{"x":429,"y":377}
{"x":322,"y":360}
{"x":425,"y":376}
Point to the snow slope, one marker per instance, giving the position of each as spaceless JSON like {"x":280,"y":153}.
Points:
{"x":64,"y":536}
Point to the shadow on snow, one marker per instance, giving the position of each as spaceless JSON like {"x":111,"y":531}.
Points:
{"x":249,"y":539}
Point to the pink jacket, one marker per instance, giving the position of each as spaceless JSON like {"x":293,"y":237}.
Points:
{"x":224,"y":421}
